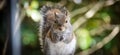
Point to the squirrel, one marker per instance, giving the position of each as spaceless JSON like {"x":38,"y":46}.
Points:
{"x":56,"y":31}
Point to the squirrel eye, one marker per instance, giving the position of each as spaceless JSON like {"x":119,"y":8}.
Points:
{"x":55,"y":22}
{"x":66,"y":21}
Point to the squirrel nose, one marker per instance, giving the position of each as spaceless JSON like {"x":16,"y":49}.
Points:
{"x":60,"y":28}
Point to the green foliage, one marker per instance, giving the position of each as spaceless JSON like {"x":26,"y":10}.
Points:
{"x":84,"y":38}
{"x":31,"y":10}
{"x":29,"y":33}
{"x":29,"y":38}
{"x":105,"y":16}
{"x":93,"y":24}
{"x":34,"y":14}
{"x":111,"y":44}
{"x":34,"y":4}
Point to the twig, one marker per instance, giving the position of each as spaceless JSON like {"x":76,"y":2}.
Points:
{"x":5,"y":46}
{"x":88,"y":15}
{"x":80,"y":10}
{"x":92,"y":12}
{"x":101,"y":43}
{"x":101,"y":29}
{"x":2,"y":4}
{"x":110,"y":2}
{"x":63,"y":2}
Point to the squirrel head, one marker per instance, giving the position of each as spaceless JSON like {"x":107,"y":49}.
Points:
{"x":56,"y":15}
{"x":58,"y":18}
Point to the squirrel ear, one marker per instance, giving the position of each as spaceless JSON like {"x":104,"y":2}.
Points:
{"x":45,"y":8}
{"x":64,"y":10}
{"x":66,"y":13}
{"x":57,"y":15}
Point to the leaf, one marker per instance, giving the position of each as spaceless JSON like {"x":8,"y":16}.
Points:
{"x":29,"y":38}
{"x":84,"y":38}
{"x":34,"y":5}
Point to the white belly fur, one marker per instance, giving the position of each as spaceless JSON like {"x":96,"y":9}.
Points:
{"x":61,"y":48}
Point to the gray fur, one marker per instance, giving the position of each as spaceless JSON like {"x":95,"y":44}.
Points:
{"x":60,"y":40}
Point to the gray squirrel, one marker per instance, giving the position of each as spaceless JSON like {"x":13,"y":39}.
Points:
{"x":56,"y":31}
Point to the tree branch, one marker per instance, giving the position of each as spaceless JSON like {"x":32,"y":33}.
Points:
{"x":21,"y":15}
{"x":2,"y":4}
{"x":100,"y":44}
{"x":88,"y":15}
{"x":81,"y":10}
{"x":91,"y":13}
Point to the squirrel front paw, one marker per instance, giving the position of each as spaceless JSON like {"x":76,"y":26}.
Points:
{"x":56,"y":38}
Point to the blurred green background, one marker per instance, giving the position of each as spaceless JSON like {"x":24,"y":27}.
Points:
{"x":92,"y":21}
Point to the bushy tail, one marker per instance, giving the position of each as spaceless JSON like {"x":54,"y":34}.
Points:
{"x":40,"y":36}
{"x":45,"y":25}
